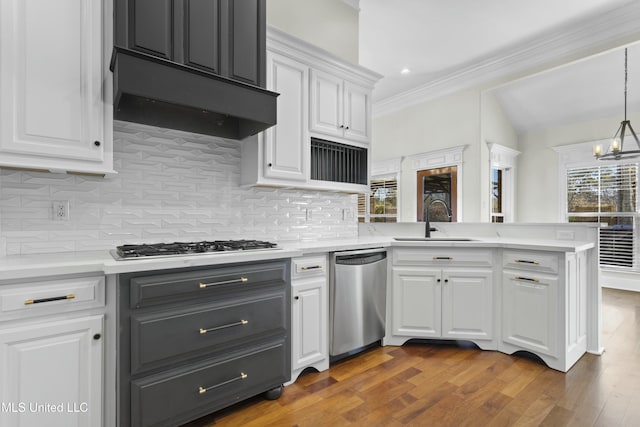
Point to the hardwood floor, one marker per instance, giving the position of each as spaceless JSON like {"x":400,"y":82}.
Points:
{"x":447,"y":385}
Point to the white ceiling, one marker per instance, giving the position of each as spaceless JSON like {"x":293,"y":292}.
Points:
{"x":438,"y":38}
{"x":582,"y":91}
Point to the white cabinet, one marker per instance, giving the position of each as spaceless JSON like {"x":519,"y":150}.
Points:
{"x":286,"y":144}
{"x":467,"y":304}
{"x":529,"y":313}
{"x":544,"y":303}
{"x":533,"y":300}
{"x":309,"y":314}
{"x":52,"y":373}
{"x":442,"y":303}
{"x":320,"y":96}
{"x":340,"y":108}
{"x":279,"y":156}
{"x":55,"y":89}
{"x":416,"y":298}
{"x":442,"y":293}
{"x":51,"y":352}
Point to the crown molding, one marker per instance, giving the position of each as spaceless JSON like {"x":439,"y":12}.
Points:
{"x":437,"y":158}
{"x":573,"y":41}
{"x":501,"y":156}
{"x":302,"y":51}
{"x":353,"y":3}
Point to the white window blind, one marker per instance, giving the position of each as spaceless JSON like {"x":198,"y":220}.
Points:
{"x":608,"y":194}
{"x":381,"y":204}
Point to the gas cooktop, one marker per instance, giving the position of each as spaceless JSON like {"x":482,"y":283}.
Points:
{"x":157,"y":250}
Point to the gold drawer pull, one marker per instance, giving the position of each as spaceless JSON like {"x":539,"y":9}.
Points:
{"x":442,"y":258}
{"x":203,"y":390}
{"x":224,"y":282}
{"x":527,"y":279}
{"x":526,"y":261}
{"x":310,"y":267}
{"x":240,"y":323}
{"x":41,"y":300}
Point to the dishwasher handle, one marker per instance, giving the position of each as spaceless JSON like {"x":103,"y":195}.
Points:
{"x":360,"y":252}
{"x":360,"y":257}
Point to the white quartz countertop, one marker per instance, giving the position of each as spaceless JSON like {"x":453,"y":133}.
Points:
{"x":38,"y":265}
{"x":503,"y":242}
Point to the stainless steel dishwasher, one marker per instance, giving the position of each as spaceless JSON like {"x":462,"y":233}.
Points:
{"x":357,"y":292}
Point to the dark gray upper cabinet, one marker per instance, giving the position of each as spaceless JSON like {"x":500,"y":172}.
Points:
{"x":202,"y":41}
{"x":247,"y":41}
{"x":225,"y":37}
{"x":150,"y":27}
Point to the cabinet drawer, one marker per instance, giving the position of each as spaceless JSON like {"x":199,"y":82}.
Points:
{"x":308,"y":267}
{"x":173,"y":397}
{"x":463,"y":257}
{"x":170,"y":287}
{"x":536,"y":261}
{"x":51,"y":297}
{"x":157,"y":337}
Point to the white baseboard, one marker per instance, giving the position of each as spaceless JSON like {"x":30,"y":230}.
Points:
{"x":620,"y":280}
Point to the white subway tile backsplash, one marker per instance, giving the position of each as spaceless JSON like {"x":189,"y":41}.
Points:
{"x":46,"y":246}
{"x":74,"y":235}
{"x":17,"y":201}
{"x":11,"y":188}
{"x":171,"y":185}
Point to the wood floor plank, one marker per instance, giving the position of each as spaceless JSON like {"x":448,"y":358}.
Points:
{"x":487,"y":411}
{"x":614,"y":410}
{"x":585,"y":416}
{"x":537,"y":412}
{"x":444,"y":384}
{"x":412,"y":413}
{"x":632,"y":414}
{"x":558,"y":416}
{"x":527,"y":373}
{"x":384,"y":396}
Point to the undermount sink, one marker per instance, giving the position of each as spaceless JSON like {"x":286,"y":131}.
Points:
{"x":433,"y":239}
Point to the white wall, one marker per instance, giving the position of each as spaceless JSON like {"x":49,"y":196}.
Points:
{"x":447,"y":122}
{"x":538,"y":180}
{"x":496,"y":128}
{"x":329,"y":24}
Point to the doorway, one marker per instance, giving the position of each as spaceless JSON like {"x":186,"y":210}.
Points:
{"x":437,"y":194}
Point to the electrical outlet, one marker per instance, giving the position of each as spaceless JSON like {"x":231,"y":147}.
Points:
{"x":347,"y":214}
{"x":309,"y":214}
{"x":565,"y":235}
{"x":60,"y":210}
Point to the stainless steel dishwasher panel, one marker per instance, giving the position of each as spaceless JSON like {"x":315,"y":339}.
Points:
{"x":358,"y":299}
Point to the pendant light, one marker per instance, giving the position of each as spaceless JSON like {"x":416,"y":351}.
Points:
{"x":616,"y":149}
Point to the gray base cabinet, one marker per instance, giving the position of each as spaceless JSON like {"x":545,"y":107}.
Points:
{"x":193,"y":341}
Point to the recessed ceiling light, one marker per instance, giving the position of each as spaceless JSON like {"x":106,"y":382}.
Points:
{"x":405,"y":70}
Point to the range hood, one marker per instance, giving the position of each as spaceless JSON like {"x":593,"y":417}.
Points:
{"x":162,"y":93}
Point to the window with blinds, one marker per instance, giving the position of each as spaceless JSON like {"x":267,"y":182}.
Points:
{"x":608,"y":194}
{"x":381,"y":204}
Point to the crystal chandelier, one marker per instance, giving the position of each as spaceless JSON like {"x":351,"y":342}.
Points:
{"x":616,"y":149}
